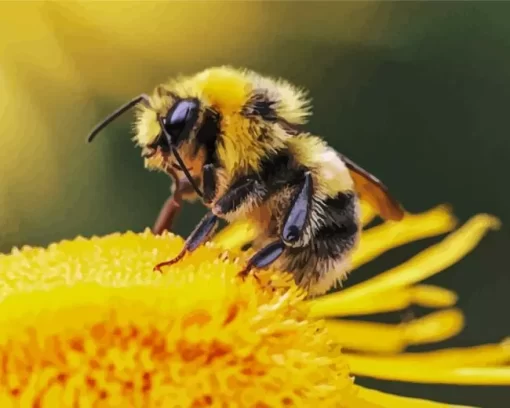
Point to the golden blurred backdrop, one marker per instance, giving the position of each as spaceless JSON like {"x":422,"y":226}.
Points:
{"x":58,"y":59}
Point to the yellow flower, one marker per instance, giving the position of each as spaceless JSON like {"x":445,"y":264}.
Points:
{"x":88,"y":322}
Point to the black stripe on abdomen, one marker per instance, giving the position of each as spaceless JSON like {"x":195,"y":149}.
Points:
{"x":340,"y":227}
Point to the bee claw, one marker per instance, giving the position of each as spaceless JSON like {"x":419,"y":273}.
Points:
{"x":158,"y":267}
{"x":245,"y":272}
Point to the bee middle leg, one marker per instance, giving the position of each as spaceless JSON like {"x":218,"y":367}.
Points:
{"x":201,"y":232}
{"x":205,"y":228}
{"x":294,"y":225}
{"x":181,"y":190}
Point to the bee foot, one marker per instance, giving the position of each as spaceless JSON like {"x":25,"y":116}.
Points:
{"x":160,"y":265}
{"x":245,"y":272}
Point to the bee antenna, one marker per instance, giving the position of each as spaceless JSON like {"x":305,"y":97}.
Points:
{"x":112,"y":116}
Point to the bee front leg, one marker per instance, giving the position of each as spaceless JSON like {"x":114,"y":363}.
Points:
{"x":182,"y":189}
{"x":209,"y":183}
{"x":238,"y":194}
{"x":206,"y":225}
{"x":199,"y":235}
{"x":228,"y":202}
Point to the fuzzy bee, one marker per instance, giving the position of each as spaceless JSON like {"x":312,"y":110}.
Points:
{"x":237,"y":138}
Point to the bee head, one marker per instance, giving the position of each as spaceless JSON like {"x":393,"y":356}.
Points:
{"x":220,"y":115}
{"x":173,"y":127}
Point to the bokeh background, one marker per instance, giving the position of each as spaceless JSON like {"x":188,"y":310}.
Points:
{"x":418,"y":93}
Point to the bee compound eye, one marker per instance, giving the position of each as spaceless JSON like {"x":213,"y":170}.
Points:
{"x":180,"y":119}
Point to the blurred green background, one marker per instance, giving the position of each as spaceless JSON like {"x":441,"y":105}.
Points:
{"x":418,"y":93}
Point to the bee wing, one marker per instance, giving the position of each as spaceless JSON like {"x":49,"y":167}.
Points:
{"x":372,"y":190}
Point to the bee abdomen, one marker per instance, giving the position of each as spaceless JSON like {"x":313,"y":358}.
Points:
{"x":338,"y":231}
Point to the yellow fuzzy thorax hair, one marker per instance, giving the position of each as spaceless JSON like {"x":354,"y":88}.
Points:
{"x":228,"y":91}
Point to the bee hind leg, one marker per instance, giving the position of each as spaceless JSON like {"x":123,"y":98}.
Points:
{"x":298,"y":215}
{"x":201,"y":232}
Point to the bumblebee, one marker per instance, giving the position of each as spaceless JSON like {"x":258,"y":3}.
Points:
{"x":237,"y":138}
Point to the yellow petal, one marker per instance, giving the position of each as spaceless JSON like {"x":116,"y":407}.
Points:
{"x":358,"y":401}
{"x":367,"y":213}
{"x":395,"y":401}
{"x":395,"y":370}
{"x":423,"y":295}
{"x":484,"y":355}
{"x":432,"y":296}
{"x":412,"y":227}
{"x":333,"y":305}
{"x":434,"y":327}
{"x":236,"y":235}
{"x":428,"y":262}
{"x":392,"y":338}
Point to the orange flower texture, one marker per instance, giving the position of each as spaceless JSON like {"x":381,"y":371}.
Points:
{"x":87,"y":323}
